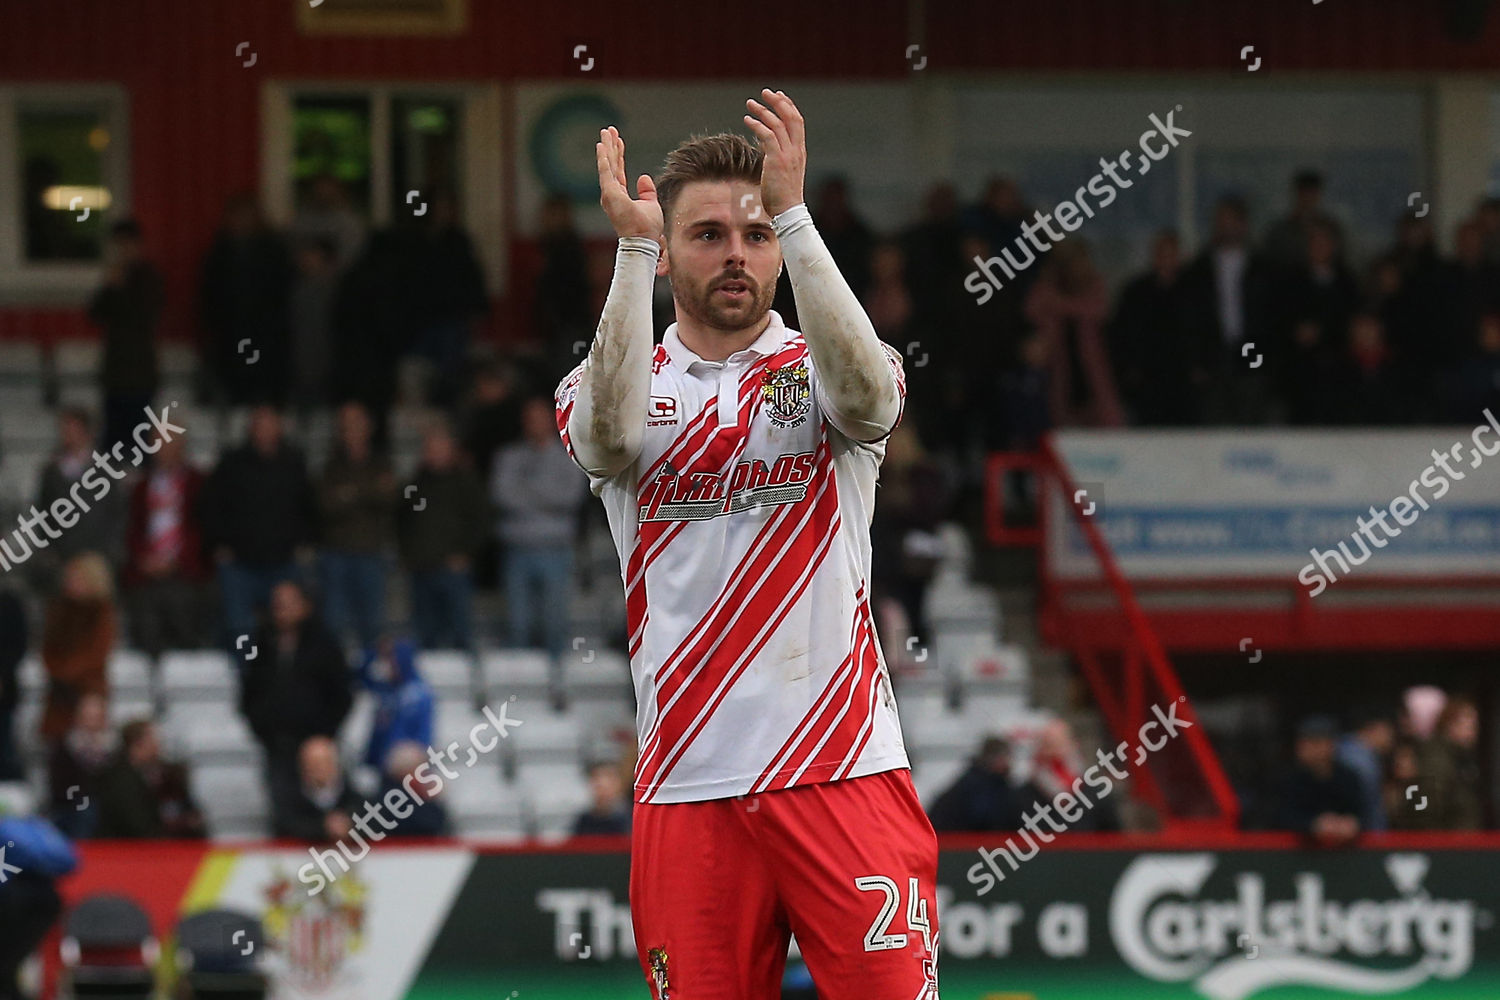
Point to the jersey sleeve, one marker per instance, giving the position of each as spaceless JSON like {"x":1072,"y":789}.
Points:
{"x":563,"y":398}
{"x":898,"y":369}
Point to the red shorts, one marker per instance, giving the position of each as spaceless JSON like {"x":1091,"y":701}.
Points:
{"x":850,"y":867}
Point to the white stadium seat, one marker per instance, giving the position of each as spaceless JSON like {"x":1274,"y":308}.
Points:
{"x":520,"y":672}
{"x":555,"y":795}
{"x":450,"y":673}
{"x":129,"y":675}
{"x":198,"y":674}
{"x":233,"y":798}
{"x":596,"y":669}
{"x":211,"y":732}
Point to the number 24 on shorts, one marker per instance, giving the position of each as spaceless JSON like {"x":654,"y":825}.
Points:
{"x":878,"y":938}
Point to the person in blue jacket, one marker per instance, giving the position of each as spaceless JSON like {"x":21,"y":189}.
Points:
{"x":33,"y":856}
{"x":403,"y":710}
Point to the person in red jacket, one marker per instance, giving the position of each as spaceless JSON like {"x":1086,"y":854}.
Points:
{"x":165,"y":572}
{"x":77,"y":637}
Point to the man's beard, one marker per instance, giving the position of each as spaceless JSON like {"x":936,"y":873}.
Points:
{"x":706,"y":306}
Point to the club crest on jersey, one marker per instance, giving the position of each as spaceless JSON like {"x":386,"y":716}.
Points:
{"x":786,"y":394}
{"x":656,"y":958}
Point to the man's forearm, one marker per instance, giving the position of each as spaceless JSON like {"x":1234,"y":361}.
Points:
{"x":608,"y":421}
{"x":849,"y":359}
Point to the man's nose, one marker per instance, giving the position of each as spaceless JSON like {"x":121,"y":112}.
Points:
{"x":734,"y":250}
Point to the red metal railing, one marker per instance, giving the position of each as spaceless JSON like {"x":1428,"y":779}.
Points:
{"x":1186,"y":783}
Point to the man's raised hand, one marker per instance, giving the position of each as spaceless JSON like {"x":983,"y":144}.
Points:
{"x":639,"y":216}
{"x":783,"y":140}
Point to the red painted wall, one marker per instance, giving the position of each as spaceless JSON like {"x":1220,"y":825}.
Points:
{"x":194,"y":112}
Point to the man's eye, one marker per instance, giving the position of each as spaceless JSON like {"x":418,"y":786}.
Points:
{"x":708,"y":235}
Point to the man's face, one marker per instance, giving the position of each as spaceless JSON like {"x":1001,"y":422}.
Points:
{"x":147,"y":747}
{"x":288,"y":606}
{"x":265,"y":429}
{"x":73,"y":434}
{"x":437,"y":451}
{"x":1316,"y":753}
{"x":1229,"y":226}
{"x":722,"y":254}
{"x":320,"y":762}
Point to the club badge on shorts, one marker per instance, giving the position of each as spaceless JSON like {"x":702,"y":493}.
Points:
{"x":786,"y":394}
{"x":657,"y":959}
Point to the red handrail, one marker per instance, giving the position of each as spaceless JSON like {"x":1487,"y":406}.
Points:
{"x":1143,"y":656}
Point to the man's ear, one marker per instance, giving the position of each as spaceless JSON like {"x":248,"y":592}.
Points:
{"x":663,"y":266}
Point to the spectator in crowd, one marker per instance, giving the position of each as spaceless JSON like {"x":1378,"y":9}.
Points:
{"x":297,"y":685}
{"x":314,"y":801}
{"x":609,"y":808}
{"x":244,"y":293}
{"x":12,"y":652}
{"x":1286,"y":242}
{"x":1402,"y":798}
{"x":1158,"y":371}
{"x":1026,"y":396}
{"x":29,"y":900}
{"x":77,"y":638}
{"x":492,"y":418}
{"x":1487,"y":215}
{"x":326,"y":214}
{"x":165,"y":575}
{"x":562,"y":285}
{"x":906,"y":539}
{"x":1225,"y":288}
{"x":848,"y":239}
{"x":438,"y":543}
{"x":403,"y":699}
{"x":1056,"y":766}
{"x":142,"y":794}
{"x":1478,"y":379}
{"x":374,"y":316}
{"x":999,"y":215}
{"x":1448,"y":769}
{"x":537,"y":491}
{"x":127,"y":309}
{"x":1367,"y":386}
{"x":1322,"y":797}
{"x":1068,"y":305}
{"x":935,"y":264}
{"x":986,"y":797}
{"x":429,"y":817}
{"x":357,"y":503}
{"x":952,"y":394}
{"x":310,"y":319}
{"x":1421,"y":705}
{"x":1365,"y":751}
{"x":453,"y":303}
{"x":258,"y":510}
{"x":1476,"y":286}
{"x":99,"y":529}
{"x":1317,"y":298}
{"x":1421,"y":317}
{"x":75,"y":765}
{"x":887,"y":300}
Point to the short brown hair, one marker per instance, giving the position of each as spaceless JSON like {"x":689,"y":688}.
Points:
{"x":722,"y":157}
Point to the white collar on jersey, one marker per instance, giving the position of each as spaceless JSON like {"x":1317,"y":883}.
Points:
{"x":769,"y":342}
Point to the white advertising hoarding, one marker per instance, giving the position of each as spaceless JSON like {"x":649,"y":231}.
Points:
{"x":1262,"y":503}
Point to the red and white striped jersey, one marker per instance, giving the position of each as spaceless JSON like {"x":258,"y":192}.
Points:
{"x":743,"y":530}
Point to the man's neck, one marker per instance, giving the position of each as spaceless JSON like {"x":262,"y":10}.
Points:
{"x":716,"y":345}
